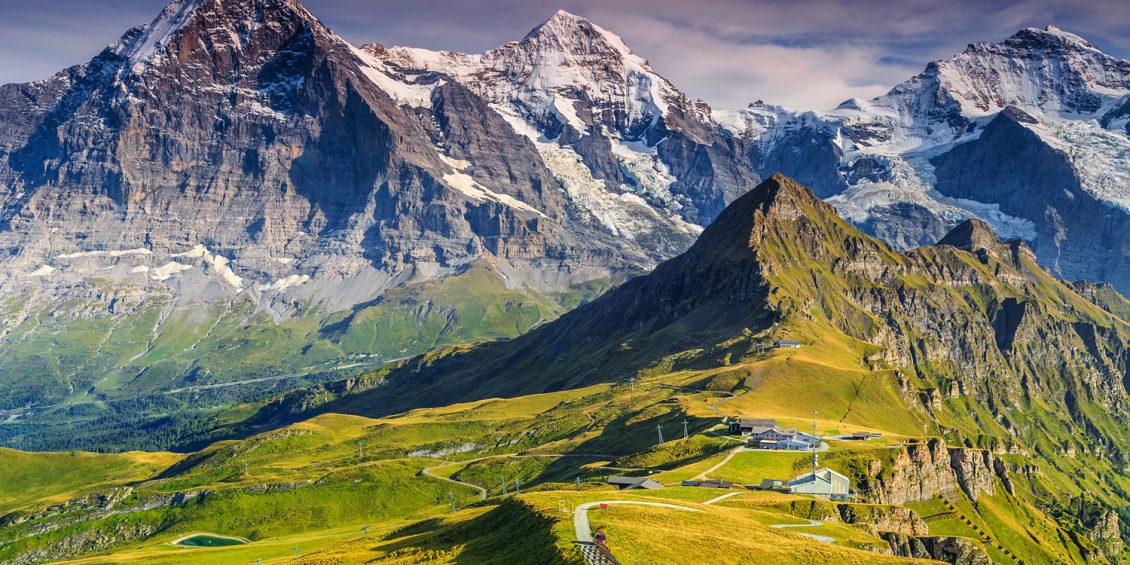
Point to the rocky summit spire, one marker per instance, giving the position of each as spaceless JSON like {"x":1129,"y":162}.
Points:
{"x":564,"y":25}
{"x":772,"y":209}
{"x":1049,"y":37}
{"x":217,"y":30}
{"x":972,"y":235}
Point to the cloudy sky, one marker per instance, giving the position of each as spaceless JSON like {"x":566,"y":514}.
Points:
{"x":805,"y":54}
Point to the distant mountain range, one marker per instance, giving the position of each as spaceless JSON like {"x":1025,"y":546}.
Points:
{"x":234,"y":192}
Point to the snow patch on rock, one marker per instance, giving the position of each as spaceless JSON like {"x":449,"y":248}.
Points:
{"x":470,"y":188}
{"x":44,"y":271}
{"x":218,"y":264}
{"x":1101,"y":157}
{"x":285,"y":283}
{"x":167,"y":270}
{"x":399,"y":89}
{"x":114,"y":254}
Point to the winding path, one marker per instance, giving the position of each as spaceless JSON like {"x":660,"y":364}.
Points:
{"x":428,"y":471}
{"x":706,"y":474}
{"x":810,"y":524}
{"x":581,"y":514}
{"x":482,"y":491}
{"x":723,"y":497}
{"x":242,"y":541}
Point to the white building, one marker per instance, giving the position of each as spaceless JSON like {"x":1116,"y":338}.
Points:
{"x":823,"y":483}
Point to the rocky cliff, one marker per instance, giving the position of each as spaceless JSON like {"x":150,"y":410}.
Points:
{"x":923,"y":470}
{"x":959,"y":551}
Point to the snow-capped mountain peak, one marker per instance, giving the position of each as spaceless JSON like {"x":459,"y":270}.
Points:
{"x":577,"y":37}
{"x":557,"y":75}
{"x":156,"y":34}
{"x":1046,"y":71}
{"x":978,"y":135}
{"x":595,"y":110}
{"x":1051,"y":36}
{"x":211,"y":28}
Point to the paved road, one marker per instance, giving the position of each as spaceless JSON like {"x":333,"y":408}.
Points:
{"x":280,"y":377}
{"x":810,"y":524}
{"x":581,"y":514}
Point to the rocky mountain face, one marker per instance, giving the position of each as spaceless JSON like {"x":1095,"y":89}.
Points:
{"x":617,"y":134}
{"x":237,"y":164}
{"x":1028,"y":135}
{"x":922,"y":471}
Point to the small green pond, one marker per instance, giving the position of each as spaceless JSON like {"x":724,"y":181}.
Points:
{"x":208,"y":540}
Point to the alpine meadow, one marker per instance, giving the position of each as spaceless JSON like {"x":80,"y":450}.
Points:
{"x":270,"y":294}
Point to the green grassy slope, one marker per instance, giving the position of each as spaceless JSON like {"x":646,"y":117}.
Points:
{"x":94,"y":378}
{"x":41,"y":478}
{"x":315,"y":483}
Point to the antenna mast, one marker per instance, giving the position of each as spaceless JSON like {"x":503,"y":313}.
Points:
{"x":815,"y":446}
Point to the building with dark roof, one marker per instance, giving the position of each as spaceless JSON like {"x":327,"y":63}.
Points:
{"x":626,"y":483}
{"x":747,"y":426}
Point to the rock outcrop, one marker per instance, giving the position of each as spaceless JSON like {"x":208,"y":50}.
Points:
{"x":959,"y":551}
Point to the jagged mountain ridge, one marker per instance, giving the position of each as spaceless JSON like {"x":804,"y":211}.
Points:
{"x":584,"y":97}
{"x":977,"y":313}
{"x":894,"y":165}
{"x":999,"y":132}
{"x":237,"y":162}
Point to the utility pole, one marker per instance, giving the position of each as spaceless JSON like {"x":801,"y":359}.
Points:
{"x":517,"y":486}
{"x":632,"y":382}
{"x":246,"y":473}
{"x":360,"y":453}
{"x":296,"y":552}
{"x":660,"y":428}
{"x":503,"y":486}
{"x":815,"y":447}
{"x":578,"y":482}
{"x":684,"y":429}
{"x":451,"y":497}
